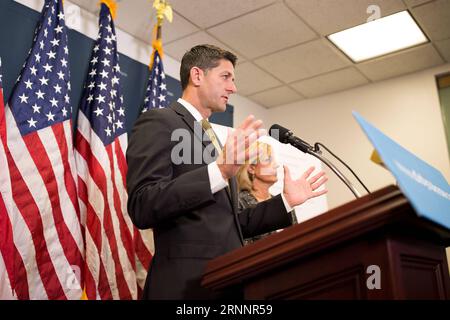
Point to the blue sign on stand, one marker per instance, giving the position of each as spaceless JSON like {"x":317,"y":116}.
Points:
{"x":424,"y":186}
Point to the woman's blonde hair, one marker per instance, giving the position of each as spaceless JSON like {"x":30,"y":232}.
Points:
{"x":244,"y":179}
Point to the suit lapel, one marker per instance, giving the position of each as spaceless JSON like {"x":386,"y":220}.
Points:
{"x":189,"y":119}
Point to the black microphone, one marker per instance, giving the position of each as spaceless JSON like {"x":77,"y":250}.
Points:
{"x":286,"y":136}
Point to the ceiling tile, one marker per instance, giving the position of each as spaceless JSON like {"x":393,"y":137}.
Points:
{"x":415,"y":3}
{"x":207,"y":13}
{"x":411,"y":60}
{"x":251,"y":79}
{"x":138,"y":18}
{"x":330,"y":82}
{"x":286,"y":45}
{"x":179,"y":28}
{"x":434,"y":18}
{"x":264,"y":31}
{"x":177,"y":49}
{"x":276,"y":97}
{"x":329,"y":16}
{"x":444,"y":48}
{"x":303,"y":61}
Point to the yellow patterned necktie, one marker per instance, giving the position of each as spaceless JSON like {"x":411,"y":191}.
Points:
{"x":215,"y":141}
{"x":211,"y":134}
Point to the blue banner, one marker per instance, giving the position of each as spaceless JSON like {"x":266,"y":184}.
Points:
{"x":424,"y":186}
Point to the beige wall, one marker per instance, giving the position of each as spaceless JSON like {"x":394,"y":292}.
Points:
{"x":244,"y":107}
{"x":406,"y":109}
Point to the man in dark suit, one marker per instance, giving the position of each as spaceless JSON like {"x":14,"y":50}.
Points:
{"x":185,"y":188}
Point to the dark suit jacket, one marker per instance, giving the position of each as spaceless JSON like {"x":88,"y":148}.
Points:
{"x":190,"y":224}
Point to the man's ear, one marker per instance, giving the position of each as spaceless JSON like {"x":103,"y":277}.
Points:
{"x":196,"y":76}
{"x":251,"y":169}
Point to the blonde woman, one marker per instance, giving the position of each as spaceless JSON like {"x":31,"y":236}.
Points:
{"x":254,"y":181}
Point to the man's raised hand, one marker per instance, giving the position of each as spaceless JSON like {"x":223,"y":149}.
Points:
{"x":298,"y":191}
{"x":236,"y":150}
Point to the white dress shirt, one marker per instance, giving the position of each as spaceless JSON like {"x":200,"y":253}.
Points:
{"x":216,"y":181}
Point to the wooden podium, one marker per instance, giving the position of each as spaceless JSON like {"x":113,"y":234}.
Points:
{"x":340,"y":254}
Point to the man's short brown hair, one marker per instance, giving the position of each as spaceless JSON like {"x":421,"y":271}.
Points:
{"x":205,"y":57}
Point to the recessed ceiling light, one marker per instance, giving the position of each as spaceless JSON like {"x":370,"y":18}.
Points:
{"x":379,"y":37}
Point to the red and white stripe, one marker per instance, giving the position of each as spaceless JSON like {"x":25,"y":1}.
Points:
{"x":44,"y":212}
{"x":6,"y":241}
{"x":110,"y":234}
{"x":145,"y":248}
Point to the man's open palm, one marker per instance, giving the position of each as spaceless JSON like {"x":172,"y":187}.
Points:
{"x":298,"y":191}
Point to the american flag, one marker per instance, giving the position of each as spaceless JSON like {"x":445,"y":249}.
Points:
{"x":6,"y":241}
{"x":156,"y":94}
{"x":112,"y":242}
{"x":43,"y":210}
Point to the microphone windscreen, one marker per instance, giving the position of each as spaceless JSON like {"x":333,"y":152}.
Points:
{"x":279,"y":133}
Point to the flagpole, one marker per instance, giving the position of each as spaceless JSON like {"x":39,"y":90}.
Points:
{"x":156,"y":93}
{"x":163,"y":10}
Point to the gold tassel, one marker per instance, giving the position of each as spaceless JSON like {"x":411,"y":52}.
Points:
{"x":375,"y":157}
{"x":84,"y":295}
{"x":157,"y":45}
{"x":112,"y":5}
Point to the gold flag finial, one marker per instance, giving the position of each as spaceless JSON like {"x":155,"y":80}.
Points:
{"x":163,"y":9}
